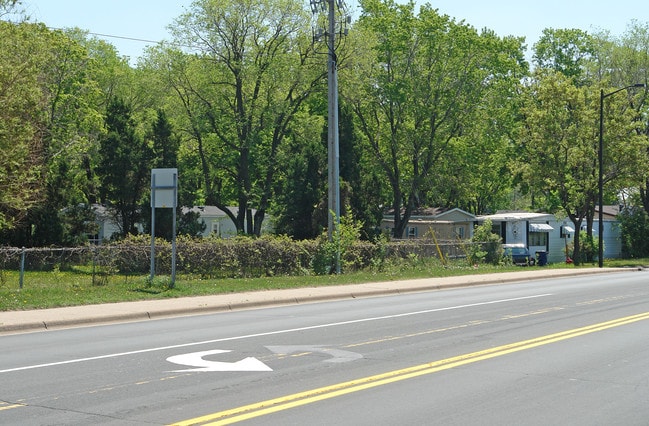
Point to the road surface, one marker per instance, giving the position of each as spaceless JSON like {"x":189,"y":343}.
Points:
{"x":565,"y":351}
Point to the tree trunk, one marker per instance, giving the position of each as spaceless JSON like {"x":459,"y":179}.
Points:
{"x":576,"y":250}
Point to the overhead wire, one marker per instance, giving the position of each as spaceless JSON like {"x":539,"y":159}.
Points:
{"x":142,"y":40}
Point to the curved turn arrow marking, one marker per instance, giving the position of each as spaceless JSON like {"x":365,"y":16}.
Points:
{"x":195,"y":359}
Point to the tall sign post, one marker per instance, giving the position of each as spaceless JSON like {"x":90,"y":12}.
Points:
{"x":164,"y":194}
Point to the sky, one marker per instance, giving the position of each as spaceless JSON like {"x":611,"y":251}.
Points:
{"x":148,"y":19}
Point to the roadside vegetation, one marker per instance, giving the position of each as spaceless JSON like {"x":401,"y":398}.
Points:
{"x":433,"y":113}
{"x":119,"y":273}
{"x":75,"y":287}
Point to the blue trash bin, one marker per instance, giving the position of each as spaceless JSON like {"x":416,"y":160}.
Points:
{"x":541,"y":257}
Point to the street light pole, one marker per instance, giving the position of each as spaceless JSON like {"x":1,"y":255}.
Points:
{"x":330,"y":7}
{"x":600,"y":159}
{"x":333,"y":135}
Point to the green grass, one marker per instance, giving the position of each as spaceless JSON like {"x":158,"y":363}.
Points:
{"x":69,"y":288}
{"x":626,"y":263}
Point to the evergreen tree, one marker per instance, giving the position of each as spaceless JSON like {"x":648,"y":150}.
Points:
{"x":124,"y":166}
{"x":165,"y":142}
{"x":300,"y":192}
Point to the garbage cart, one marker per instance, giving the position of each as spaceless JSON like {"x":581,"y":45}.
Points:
{"x":541,"y":257}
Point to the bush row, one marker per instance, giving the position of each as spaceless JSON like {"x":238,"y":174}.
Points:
{"x":226,"y":258}
{"x":240,"y":257}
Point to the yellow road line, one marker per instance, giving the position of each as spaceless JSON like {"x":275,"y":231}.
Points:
{"x":302,"y":398}
{"x":9,"y":407}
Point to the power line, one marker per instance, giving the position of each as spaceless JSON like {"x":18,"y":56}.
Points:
{"x":112,"y":36}
{"x":130,"y":38}
{"x":125,"y":38}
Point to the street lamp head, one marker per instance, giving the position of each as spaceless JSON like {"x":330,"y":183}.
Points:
{"x":630,"y":86}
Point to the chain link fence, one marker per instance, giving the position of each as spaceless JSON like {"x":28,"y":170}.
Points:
{"x":208,"y":259}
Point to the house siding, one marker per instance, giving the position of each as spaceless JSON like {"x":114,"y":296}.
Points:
{"x":449,"y":225}
{"x":216,"y":223}
{"x":612,"y":239}
{"x":219,"y":224}
{"x":557,"y":244}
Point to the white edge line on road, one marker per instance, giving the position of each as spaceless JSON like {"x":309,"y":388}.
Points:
{"x":269,"y":333}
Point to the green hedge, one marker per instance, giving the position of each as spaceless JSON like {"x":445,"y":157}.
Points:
{"x":239,"y":257}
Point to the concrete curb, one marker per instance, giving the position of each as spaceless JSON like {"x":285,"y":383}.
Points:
{"x":47,"y":319}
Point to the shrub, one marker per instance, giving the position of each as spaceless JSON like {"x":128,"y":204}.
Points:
{"x":345,"y":247}
{"x":588,"y":248}
{"x":635,"y":232}
{"x":486,"y":247}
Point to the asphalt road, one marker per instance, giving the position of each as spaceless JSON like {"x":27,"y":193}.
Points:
{"x":562,"y":351}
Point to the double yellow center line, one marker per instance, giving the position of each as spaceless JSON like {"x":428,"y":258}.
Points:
{"x":298,"y":399}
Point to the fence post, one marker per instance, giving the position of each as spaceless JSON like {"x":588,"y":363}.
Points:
{"x":94,"y":262}
{"x":22,"y":267}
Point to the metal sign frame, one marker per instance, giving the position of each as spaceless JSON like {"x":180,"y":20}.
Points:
{"x":164,"y":194}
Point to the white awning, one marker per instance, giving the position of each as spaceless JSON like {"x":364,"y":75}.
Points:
{"x":540,"y":227}
{"x":568,"y":229}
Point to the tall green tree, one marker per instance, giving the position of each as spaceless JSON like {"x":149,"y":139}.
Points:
{"x":362,"y":190}
{"x":73,"y":118}
{"x":241,"y":93}
{"x":560,"y":135}
{"x":301,"y":185}
{"x":301,"y":209}
{"x":418,"y":91}
{"x":22,"y":120}
{"x":477,"y":168}
{"x":623,"y":61}
{"x":125,"y":166}
{"x":65,"y":116}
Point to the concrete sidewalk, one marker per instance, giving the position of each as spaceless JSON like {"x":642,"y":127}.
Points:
{"x":47,"y":319}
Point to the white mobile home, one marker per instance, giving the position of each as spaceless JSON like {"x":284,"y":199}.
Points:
{"x":536,"y":231}
{"x":544,"y":232}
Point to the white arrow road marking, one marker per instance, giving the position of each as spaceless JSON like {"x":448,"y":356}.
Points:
{"x":338,"y":354}
{"x":195,"y":359}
